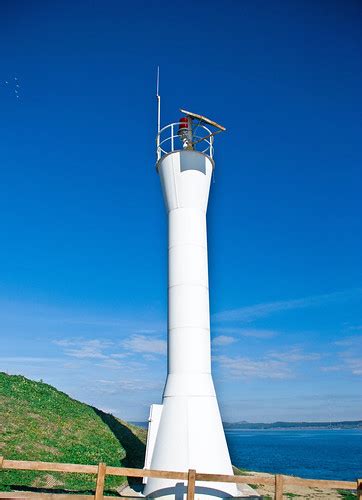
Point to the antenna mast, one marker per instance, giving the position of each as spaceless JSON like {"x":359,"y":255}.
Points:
{"x":158,"y":101}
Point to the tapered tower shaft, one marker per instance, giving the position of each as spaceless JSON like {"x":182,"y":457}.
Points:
{"x":188,"y":287}
{"x":190,"y":432}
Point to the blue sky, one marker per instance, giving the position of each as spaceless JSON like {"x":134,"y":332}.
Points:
{"x":83,"y":229}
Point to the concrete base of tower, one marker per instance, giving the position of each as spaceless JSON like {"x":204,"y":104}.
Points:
{"x":245,"y":492}
{"x":179,"y":492}
{"x":190,"y":435}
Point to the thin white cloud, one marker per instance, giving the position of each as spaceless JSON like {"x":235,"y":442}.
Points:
{"x":354,"y":364}
{"x":109,"y":363}
{"x":350,"y":357}
{"x":275,"y":365}
{"x":127,"y":384}
{"x":258,"y":333}
{"x":331,"y":368}
{"x":249,"y":313}
{"x":28,"y":359}
{"x":351,"y":341}
{"x":293,"y":355}
{"x":150,"y":357}
{"x":143,"y":344}
{"x":353,"y":328}
{"x":44,"y":318}
{"x":351,"y":362}
{"x":84,"y":349}
{"x":223,"y":340}
{"x":243,"y":367}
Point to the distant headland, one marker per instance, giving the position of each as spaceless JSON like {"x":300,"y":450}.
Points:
{"x":345,"y":424}
{"x":244,"y":425}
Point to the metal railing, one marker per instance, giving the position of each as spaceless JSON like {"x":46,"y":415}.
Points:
{"x":169,"y":140}
{"x":101,"y":470}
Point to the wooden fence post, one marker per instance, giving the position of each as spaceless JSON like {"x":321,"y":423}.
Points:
{"x":191,"y":484}
{"x":278,"y":487}
{"x":100,"y":481}
{"x":359,"y":489}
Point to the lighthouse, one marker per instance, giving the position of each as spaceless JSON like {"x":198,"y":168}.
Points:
{"x":185,"y":431}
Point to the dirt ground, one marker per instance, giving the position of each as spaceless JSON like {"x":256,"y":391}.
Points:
{"x":294,"y":491}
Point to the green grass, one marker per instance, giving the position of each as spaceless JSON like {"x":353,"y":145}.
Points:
{"x":255,"y":486}
{"x":347,"y":495}
{"x":240,"y":472}
{"x":38,"y":422}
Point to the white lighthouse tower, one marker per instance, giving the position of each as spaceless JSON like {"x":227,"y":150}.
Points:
{"x":186,"y":431}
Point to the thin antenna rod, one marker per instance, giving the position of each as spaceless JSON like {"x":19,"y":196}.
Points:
{"x":158,"y":101}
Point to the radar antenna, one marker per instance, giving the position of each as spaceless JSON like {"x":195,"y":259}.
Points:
{"x":202,"y":119}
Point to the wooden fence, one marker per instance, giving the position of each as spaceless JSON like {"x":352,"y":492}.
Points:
{"x":101,"y":470}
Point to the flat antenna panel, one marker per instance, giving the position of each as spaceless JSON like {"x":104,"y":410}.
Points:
{"x":203,"y":119}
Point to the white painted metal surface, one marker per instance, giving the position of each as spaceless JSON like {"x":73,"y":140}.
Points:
{"x":153,"y":424}
{"x":190,"y":433}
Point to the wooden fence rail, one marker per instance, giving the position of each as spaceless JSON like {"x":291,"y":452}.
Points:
{"x":102,"y":470}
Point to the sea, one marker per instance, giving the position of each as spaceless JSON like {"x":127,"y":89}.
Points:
{"x":313,"y":454}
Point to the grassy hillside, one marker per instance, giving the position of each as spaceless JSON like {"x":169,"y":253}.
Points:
{"x":38,"y":422}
